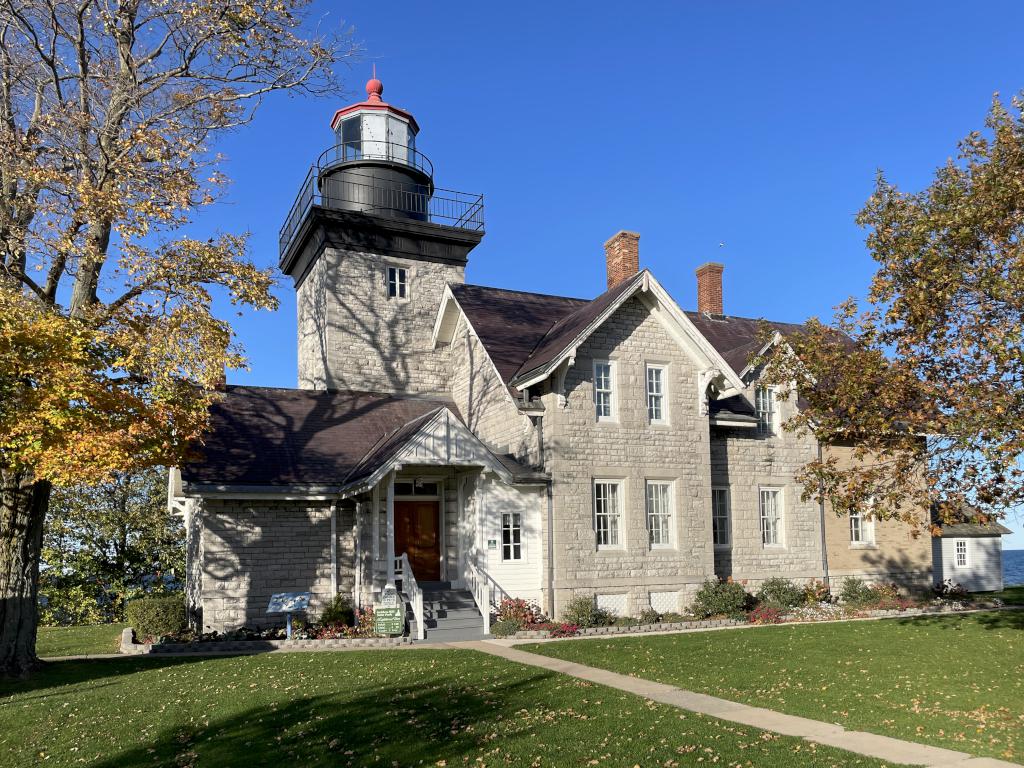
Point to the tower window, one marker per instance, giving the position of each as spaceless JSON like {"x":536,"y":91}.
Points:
{"x":398,"y":283}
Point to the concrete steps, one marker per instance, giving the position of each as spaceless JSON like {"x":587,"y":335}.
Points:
{"x":449,"y":615}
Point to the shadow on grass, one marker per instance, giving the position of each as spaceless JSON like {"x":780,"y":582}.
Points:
{"x":55,"y":674}
{"x":1013,"y":619}
{"x":390,"y":725}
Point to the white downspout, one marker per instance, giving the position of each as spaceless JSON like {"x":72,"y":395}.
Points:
{"x":334,"y":548}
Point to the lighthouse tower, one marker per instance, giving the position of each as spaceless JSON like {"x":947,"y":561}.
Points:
{"x":370,"y":244}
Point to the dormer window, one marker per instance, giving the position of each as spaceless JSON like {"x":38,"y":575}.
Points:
{"x":398,"y":283}
{"x":764,"y":403}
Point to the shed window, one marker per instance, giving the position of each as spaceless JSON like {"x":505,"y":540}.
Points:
{"x":961,"y":553}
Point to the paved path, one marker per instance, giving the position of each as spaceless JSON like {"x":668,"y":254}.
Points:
{"x":870,"y":744}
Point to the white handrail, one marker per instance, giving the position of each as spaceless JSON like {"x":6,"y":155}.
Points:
{"x":412,"y":589}
{"x":481,"y":590}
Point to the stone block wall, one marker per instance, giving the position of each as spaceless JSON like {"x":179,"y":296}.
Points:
{"x":579,"y":449}
{"x":253,"y":549}
{"x":745,"y":462}
{"x":352,"y":336}
{"x":485,"y":402}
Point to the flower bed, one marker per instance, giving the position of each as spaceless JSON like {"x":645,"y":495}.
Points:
{"x":237,"y":643}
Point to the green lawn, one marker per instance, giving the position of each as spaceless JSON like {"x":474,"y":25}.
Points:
{"x":78,"y":641}
{"x":386,"y":708}
{"x":1011,"y":595}
{"x":951,"y":681}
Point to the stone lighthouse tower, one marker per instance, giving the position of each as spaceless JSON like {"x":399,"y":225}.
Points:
{"x":371,"y":243}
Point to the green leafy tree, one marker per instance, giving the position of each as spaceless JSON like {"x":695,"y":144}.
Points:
{"x":109,"y":350}
{"x":925,"y":379}
{"x":106,"y":543}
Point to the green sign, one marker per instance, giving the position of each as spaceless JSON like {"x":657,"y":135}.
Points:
{"x":388,"y":620}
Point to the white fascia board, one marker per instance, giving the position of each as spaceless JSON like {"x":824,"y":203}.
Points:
{"x":741,"y":424}
{"x":444,"y":325}
{"x":689,"y":331}
{"x":773,"y":341}
{"x":677,"y":323}
{"x":570,"y":351}
{"x":398,"y":460}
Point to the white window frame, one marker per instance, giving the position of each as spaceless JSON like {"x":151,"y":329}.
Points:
{"x":767,"y":418}
{"x":722,"y":491}
{"x":957,"y":553}
{"x":613,"y":405}
{"x":614,"y":535}
{"x":402,"y":286}
{"x":668,"y":514}
{"x":515,"y":525}
{"x":862,"y":529}
{"x":662,"y":395}
{"x":779,"y":527}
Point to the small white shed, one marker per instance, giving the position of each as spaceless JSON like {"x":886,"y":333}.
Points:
{"x":969,"y":553}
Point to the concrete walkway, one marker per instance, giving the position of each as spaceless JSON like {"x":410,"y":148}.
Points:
{"x":830,"y":734}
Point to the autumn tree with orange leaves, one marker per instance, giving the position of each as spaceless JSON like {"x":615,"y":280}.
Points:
{"x":926,"y":378}
{"x":108,"y":346}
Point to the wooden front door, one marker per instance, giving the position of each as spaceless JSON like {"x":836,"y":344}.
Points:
{"x":417,"y":534}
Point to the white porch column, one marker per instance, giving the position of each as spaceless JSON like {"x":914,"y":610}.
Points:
{"x":390,"y":549}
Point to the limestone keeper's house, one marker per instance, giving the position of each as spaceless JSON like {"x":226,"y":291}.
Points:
{"x":475,"y":442}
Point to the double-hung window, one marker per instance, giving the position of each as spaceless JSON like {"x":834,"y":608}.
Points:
{"x":659,"y":513}
{"x":608,"y":513}
{"x":604,"y":390}
{"x":771,"y":516}
{"x":720,"y":517}
{"x":764,"y":404}
{"x":656,"y":404}
{"x":398,"y":282}
{"x":960,"y":549}
{"x":862,"y":528}
{"x":511,"y":536}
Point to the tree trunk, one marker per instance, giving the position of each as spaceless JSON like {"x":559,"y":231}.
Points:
{"x":23,"y":503}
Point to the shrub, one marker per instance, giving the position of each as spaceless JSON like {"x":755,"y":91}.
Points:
{"x":338,"y":611}
{"x":949,"y":589}
{"x":505,"y":627}
{"x":765,"y":614}
{"x":816,"y":592}
{"x":780,"y":592}
{"x":885,"y":593}
{"x":649,"y":616}
{"x":719,"y":598}
{"x":157,"y":616}
{"x":519,"y":611}
{"x":564,"y":630}
{"x":582,"y":611}
{"x":855,"y":592}
{"x":672,"y":618}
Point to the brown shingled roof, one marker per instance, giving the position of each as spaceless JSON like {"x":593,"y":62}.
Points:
{"x":511,"y":324}
{"x":268,"y":436}
{"x":736,"y":338}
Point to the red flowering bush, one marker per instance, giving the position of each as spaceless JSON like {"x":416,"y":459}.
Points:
{"x":519,"y":611}
{"x":338,"y":629}
{"x":765,"y":614}
{"x":555,"y":628}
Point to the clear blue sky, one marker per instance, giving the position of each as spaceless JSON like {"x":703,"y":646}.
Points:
{"x":750,"y":124}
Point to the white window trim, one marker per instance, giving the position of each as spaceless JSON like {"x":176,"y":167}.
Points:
{"x":663,"y":367}
{"x":388,"y":266}
{"x":728,"y":517}
{"x":671,"y":502}
{"x":956,"y":555}
{"x":780,"y":513}
{"x":613,"y":405}
{"x":619,"y":496}
{"x":522,"y":539}
{"x":773,"y":431}
{"x":867,"y":531}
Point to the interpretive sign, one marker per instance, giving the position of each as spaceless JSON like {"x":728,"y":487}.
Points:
{"x":288,"y":602}
{"x":389,"y":596}
{"x":388,"y":620}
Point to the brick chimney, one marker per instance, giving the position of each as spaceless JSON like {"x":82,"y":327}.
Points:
{"x":622,"y":256}
{"x":709,"y":288}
